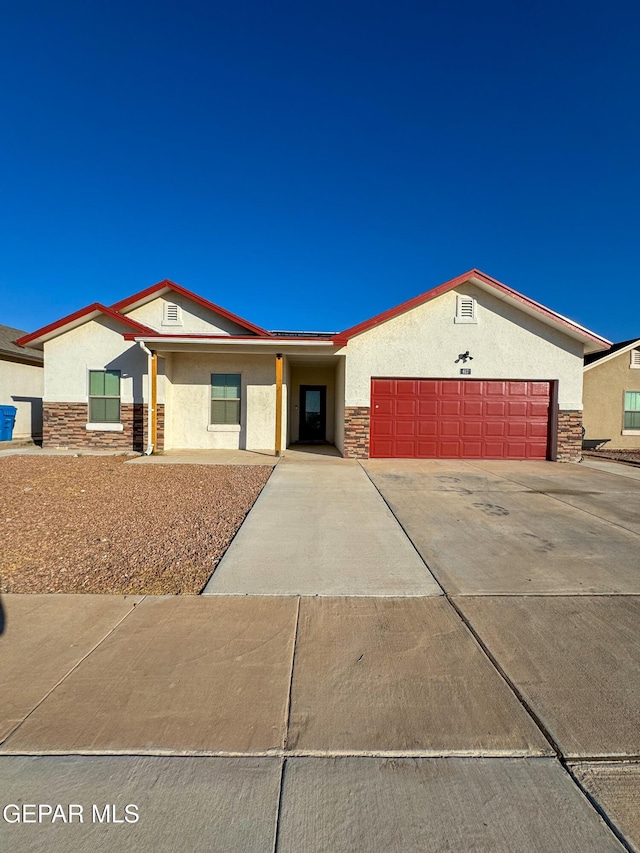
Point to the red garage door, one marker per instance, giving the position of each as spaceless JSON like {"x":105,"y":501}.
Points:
{"x":459,"y":419}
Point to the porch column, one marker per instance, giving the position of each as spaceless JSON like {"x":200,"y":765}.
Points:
{"x":154,"y":401}
{"x":279,"y":404}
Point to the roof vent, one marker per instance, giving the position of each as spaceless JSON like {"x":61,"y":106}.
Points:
{"x":465,"y":309}
{"x":171,"y":314}
{"x":635,"y":358}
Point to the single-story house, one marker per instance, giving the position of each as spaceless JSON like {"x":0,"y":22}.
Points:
{"x":612,"y":397}
{"x":471,"y":369}
{"x":21,"y":383}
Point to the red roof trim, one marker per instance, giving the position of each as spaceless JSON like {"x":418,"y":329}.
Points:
{"x":77,"y":315}
{"x":171,"y":285}
{"x":342,"y":337}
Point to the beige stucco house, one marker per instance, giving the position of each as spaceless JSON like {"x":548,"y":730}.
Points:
{"x":612,"y":397}
{"x":21,"y":383}
{"x":471,"y":369}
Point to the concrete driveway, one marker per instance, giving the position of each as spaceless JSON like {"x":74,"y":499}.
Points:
{"x":433,"y":657}
{"x":517,"y":528}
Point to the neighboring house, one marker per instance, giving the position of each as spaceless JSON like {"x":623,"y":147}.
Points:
{"x":21,"y":383}
{"x":612,"y":397}
{"x":471,"y":369}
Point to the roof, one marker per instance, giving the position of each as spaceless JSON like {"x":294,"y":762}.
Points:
{"x":617,"y":349}
{"x":592,"y":341}
{"x":71,"y":321}
{"x":167,"y":286}
{"x":10,"y":351}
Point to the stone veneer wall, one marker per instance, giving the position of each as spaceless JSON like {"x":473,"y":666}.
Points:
{"x":569,"y":435}
{"x":64,"y":425}
{"x":356,"y":432}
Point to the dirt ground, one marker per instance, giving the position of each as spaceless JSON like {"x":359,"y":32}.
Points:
{"x":620,"y":455}
{"x":95,"y":524}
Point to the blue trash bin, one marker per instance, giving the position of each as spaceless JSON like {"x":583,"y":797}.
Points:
{"x":7,"y":420}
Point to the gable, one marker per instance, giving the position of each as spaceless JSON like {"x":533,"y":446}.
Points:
{"x":475,"y":278}
{"x":194,"y":318}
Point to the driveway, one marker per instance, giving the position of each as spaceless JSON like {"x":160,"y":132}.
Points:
{"x":517,"y":528}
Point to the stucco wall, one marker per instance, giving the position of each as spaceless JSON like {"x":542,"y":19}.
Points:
{"x":195,"y":318}
{"x":504,"y":343}
{"x":312,"y":375}
{"x":604,"y":388}
{"x":189,"y":395}
{"x":21,"y":385}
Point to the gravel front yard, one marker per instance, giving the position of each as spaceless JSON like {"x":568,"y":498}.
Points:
{"x":95,"y":524}
{"x":615,"y":455}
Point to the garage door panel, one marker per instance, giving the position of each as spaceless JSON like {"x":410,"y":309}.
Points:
{"x":406,"y":428}
{"x":451,"y":407}
{"x":471,"y":429}
{"x":495,"y":409}
{"x":427,"y":408}
{"x":406,"y":407}
{"x":472,"y":408}
{"x":517,"y":409}
{"x":468,"y":419}
{"x":449,"y":428}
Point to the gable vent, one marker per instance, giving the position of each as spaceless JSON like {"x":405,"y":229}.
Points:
{"x":172,"y":314}
{"x":635,"y":358}
{"x":465,"y":309}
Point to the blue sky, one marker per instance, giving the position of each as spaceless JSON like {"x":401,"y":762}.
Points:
{"x":309,"y":165}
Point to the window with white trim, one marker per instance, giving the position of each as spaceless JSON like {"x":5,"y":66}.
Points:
{"x":104,"y":396}
{"x":225,"y":398}
{"x":465,"y":309}
{"x":632,"y":410}
{"x":171,"y":314}
{"x":634,"y":360}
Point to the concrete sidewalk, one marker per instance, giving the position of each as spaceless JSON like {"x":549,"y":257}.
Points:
{"x":319,"y":527}
{"x":282,"y":724}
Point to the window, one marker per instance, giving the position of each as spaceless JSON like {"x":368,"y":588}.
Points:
{"x":465,"y":309}
{"x":104,"y":396}
{"x":635,"y":358}
{"x":632,"y":410}
{"x":171,"y":314}
{"x":225,"y":398}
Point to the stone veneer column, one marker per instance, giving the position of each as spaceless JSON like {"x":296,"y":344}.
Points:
{"x":569,"y":435}
{"x":64,"y":425}
{"x":356,"y":432}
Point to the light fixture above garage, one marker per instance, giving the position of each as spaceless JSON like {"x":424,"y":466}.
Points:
{"x":464,"y":357}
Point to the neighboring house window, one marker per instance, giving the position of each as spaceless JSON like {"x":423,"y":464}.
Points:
{"x":632,"y":410}
{"x":635,"y":358}
{"x":465,"y":309}
{"x":225,"y":398}
{"x":104,"y":396}
{"x":171,"y":314}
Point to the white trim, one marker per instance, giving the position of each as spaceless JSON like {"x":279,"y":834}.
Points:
{"x":631,"y":432}
{"x":276,"y":343}
{"x":611,"y":355}
{"x":224,"y":428}
{"x":105,"y":427}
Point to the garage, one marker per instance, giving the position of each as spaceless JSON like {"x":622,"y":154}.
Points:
{"x":459,"y":419}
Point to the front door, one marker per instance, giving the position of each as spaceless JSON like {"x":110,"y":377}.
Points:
{"x":313,"y":412}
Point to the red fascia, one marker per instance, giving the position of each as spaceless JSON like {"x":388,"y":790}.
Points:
{"x":171,"y":285}
{"x":343,"y":337}
{"x":77,"y":315}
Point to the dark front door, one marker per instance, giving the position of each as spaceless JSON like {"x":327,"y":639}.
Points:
{"x":313,"y":412}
